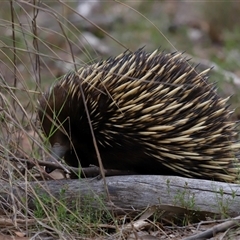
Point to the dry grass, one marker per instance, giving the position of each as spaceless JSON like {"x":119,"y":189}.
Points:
{"x":39,"y":42}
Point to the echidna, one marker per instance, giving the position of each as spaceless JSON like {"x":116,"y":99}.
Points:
{"x":151,"y":113}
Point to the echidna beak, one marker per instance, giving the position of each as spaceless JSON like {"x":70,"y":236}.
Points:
{"x":57,"y":152}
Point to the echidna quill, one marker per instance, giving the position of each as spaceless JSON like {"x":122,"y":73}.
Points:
{"x":151,"y":113}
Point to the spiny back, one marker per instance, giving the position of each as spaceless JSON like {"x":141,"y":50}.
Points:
{"x":155,"y":102}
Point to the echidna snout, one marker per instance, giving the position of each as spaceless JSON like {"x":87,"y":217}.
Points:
{"x":57,"y":152}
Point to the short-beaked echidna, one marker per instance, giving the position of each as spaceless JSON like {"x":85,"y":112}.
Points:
{"x":151,"y":113}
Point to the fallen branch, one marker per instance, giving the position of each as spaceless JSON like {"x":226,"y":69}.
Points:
{"x":133,"y":193}
{"x":215,"y":229}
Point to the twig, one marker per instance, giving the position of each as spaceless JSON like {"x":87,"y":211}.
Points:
{"x":91,"y":171}
{"x":216,"y":229}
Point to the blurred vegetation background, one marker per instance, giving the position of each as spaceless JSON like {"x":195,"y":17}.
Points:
{"x":41,"y":40}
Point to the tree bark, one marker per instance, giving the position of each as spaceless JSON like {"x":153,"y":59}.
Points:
{"x":131,"y":193}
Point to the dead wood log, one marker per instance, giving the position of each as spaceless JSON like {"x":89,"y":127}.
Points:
{"x":131,"y":193}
